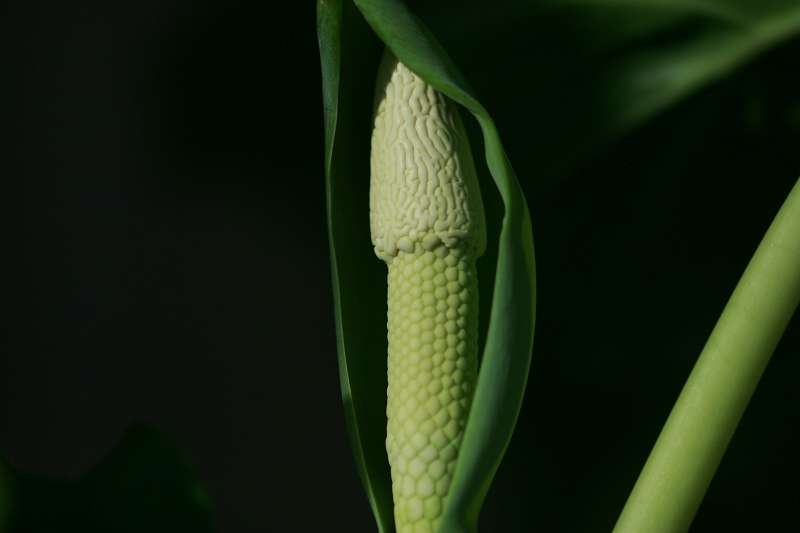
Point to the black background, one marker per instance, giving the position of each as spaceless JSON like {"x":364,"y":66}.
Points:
{"x":164,"y":257}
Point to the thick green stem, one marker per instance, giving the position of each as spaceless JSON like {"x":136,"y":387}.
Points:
{"x":683,"y":461}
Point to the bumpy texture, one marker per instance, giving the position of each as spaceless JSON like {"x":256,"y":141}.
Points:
{"x":423,"y":187}
{"x":427,"y":223}
{"x":433,"y":330}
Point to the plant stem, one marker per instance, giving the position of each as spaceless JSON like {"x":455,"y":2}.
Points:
{"x":686,"y":455}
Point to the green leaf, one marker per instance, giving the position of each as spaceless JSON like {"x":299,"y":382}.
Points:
{"x":569,"y":77}
{"x":349,"y":66}
{"x":359,"y":280}
{"x":146,"y":484}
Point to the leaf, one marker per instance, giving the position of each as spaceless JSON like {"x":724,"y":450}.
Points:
{"x":358,"y":295}
{"x":37,"y":504}
{"x":349,"y":62}
{"x":566,"y":78}
{"x":146,"y":484}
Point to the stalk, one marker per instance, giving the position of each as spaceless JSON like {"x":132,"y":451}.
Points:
{"x":685,"y":457}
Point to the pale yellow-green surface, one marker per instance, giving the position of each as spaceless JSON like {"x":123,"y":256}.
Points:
{"x":432,"y":365}
{"x":426,"y":219}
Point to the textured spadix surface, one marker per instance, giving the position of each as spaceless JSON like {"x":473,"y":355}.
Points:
{"x":423,"y":187}
{"x":427,"y":223}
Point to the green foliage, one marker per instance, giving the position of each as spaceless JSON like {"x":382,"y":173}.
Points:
{"x":567,"y":82}
{"x":506,"y":355}
{"x":584,"y":72}
{"x":700,"y":426}
{"x":145,"y":484}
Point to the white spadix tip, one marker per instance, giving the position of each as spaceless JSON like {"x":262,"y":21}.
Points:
{"x":424,"y":189}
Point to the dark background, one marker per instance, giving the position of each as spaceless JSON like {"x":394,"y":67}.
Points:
{"x":165,"y":258}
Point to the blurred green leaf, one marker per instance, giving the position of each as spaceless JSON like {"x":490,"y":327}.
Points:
{"x":568,"y":77}
{"x":147,"y":484}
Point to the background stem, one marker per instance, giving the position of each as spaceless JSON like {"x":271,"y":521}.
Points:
{"x":686,"y":455}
